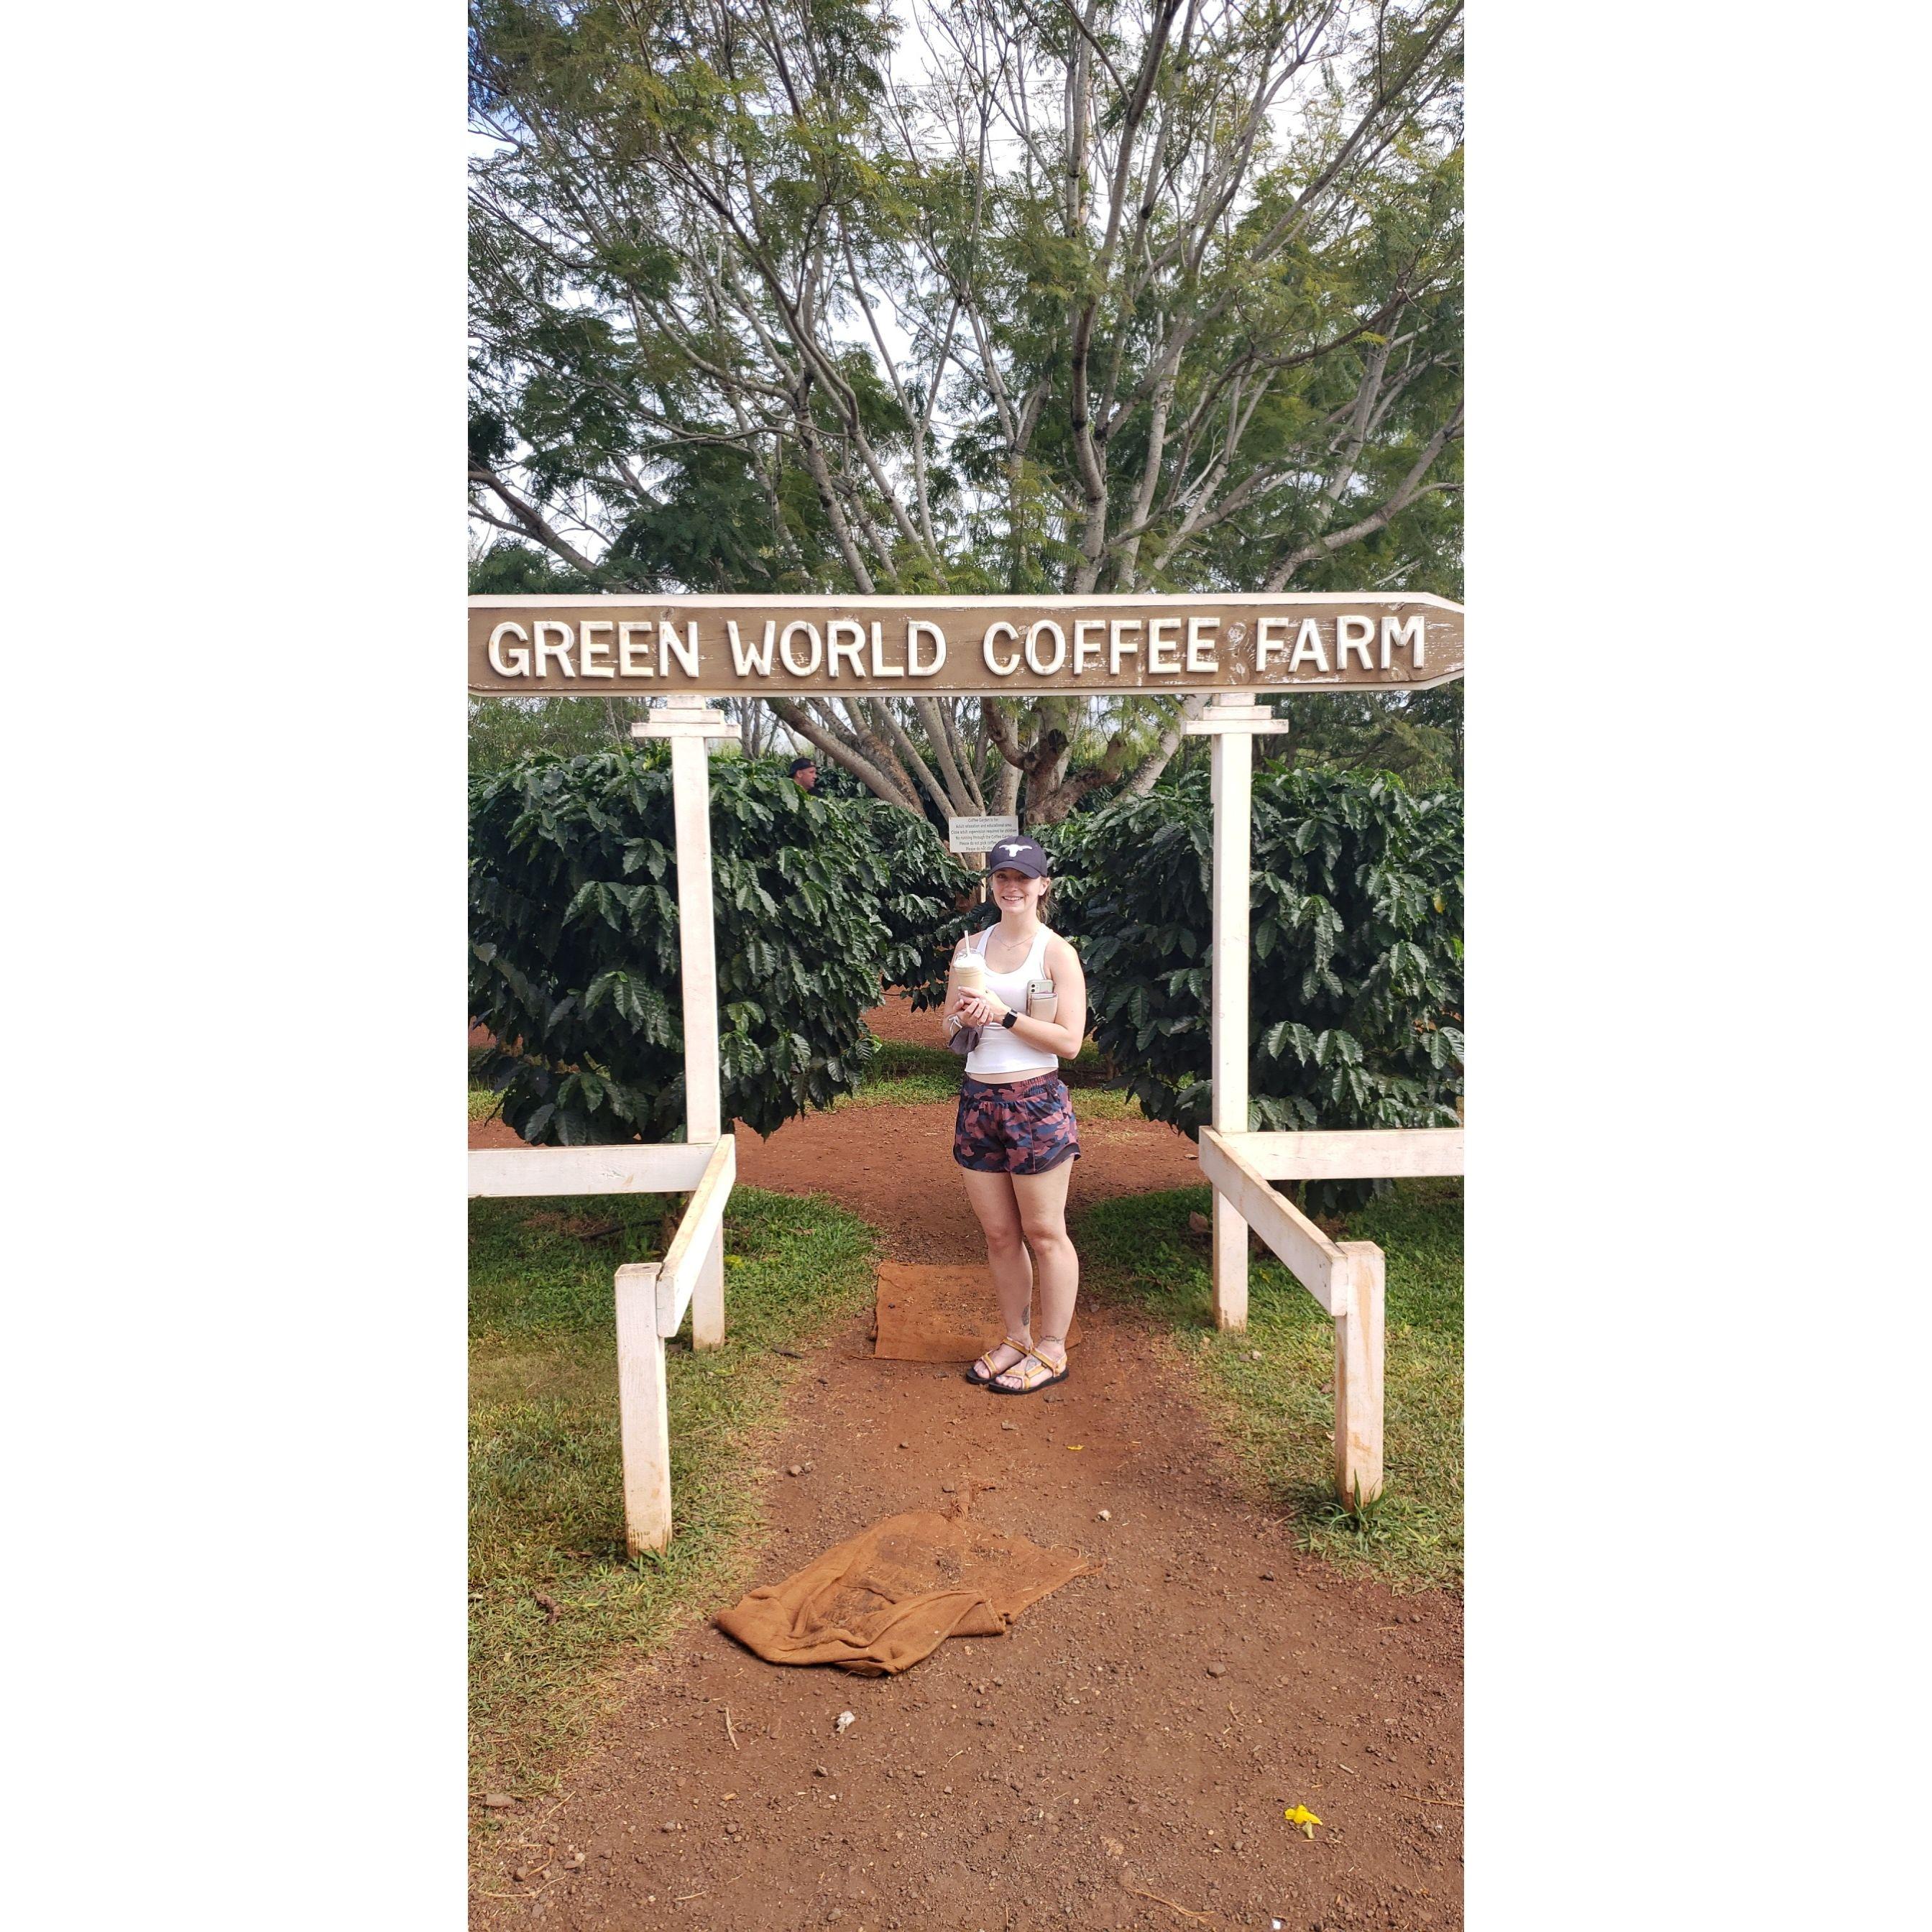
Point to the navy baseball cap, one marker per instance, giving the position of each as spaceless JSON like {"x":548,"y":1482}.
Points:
{"x":1020,"y":855}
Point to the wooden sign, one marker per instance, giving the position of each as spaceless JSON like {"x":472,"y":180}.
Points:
{"x":993,"y":646}
{"x":979,"y":835}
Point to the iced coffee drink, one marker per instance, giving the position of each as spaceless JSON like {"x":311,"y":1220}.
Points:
{"x":969,"y":972}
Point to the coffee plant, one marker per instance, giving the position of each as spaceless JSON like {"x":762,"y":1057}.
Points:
{"x":574,"y":952}
{"x":1355,"y":981}
{"x":924,"y":897}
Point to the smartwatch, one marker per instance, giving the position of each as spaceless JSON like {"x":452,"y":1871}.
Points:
{"x":1007,"y":1019}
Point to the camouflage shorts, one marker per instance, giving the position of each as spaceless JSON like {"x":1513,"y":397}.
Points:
{"x":1021,"y":1127}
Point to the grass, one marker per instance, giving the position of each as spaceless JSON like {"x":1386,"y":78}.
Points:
{"x":1277,"y":1413}
{"x":546,"y":1498}
{"x":1103,"y":1103}
{"x":902,"y":1073}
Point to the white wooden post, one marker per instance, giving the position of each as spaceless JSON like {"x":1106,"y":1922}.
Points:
{"x":698,"y":1250}
{"x":689,"y":723}
{"x":1232,"y":721}
{"x":1302,"y":1248}
{"x":707,"y":1300}
{"x":643,"y":1419}
{"x":697,"y":942}
{"x":1348,"y":1280}
{"x":1233,"y":757}
{"x":1359,"y":1362}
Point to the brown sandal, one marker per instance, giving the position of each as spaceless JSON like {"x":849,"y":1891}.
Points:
{"x":1052,"y":1374}
{"x":985,"y":1361}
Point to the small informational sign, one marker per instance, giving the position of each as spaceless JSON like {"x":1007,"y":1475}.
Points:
{"x":979,"y":835}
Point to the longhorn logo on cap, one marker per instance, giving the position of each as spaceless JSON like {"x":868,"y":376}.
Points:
{"x":1010,"y":850}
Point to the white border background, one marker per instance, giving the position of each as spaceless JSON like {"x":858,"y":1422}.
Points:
{"x":235,"y":1426}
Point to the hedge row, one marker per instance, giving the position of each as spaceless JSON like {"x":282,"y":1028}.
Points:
{"x":1355,"y":969}
{"x":1355,"y":1002}
{"x":574,"y":940}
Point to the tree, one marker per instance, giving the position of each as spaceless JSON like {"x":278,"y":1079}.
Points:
{"x":1417,"y":735}
{"x":503,"y":729}
{"x":1081,"y":296}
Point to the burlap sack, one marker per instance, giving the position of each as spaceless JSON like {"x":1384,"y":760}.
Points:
{"x":882,"y":1600}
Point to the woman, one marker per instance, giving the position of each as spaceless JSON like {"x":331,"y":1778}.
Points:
{"x":1014,"y":1139}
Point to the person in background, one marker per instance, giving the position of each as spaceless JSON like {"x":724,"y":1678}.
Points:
{"x":1014,"y":1139}
{"x":806,"y":771}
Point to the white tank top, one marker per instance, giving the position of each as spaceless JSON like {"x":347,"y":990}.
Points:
{"x":1000,"y":1050}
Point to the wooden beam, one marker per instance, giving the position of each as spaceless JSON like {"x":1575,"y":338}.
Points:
{"x":697,"y":941}
{"x":1224,"y":716}
{"x":643,"y":1419}
{"x":1232,"y":762}
{"x":686,"y":716}
{"x":679,"y":1272}
{"x":625,"y":1168}
{"x":1371,"y":1154}
{"x":1306,"y":1251}
{"x":707,"y":1297}
{"x":598,"y":645}
{"x":1359,"y":1364}
{"x":1230,"y":1266}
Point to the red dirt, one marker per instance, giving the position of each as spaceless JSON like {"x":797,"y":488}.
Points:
{"x":893,"y":1166}
{"x":893,"y":1018}
{"x":1140,"y":1732}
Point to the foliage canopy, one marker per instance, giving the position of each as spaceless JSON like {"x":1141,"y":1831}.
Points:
{"x":1355,"y":980}
{"x":775,"y":295}
{"x":573,"y":941}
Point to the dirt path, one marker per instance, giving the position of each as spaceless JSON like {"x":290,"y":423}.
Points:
{"x":1140,"y":1732}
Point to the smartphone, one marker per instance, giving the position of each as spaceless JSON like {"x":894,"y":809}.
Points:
{"x":1042,"y":1003}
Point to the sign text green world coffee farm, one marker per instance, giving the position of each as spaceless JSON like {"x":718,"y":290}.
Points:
{"x":1015,"y":645}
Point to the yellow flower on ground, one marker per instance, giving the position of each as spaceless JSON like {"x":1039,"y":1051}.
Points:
{"x":1305,"y":1818}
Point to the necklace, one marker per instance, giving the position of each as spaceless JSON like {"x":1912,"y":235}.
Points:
{"x":1021,"y":945}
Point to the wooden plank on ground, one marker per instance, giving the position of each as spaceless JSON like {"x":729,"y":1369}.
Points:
{"x":1307,"y":1253}
{"x":671,"y":1167}
{"x":1381,"y":1153}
